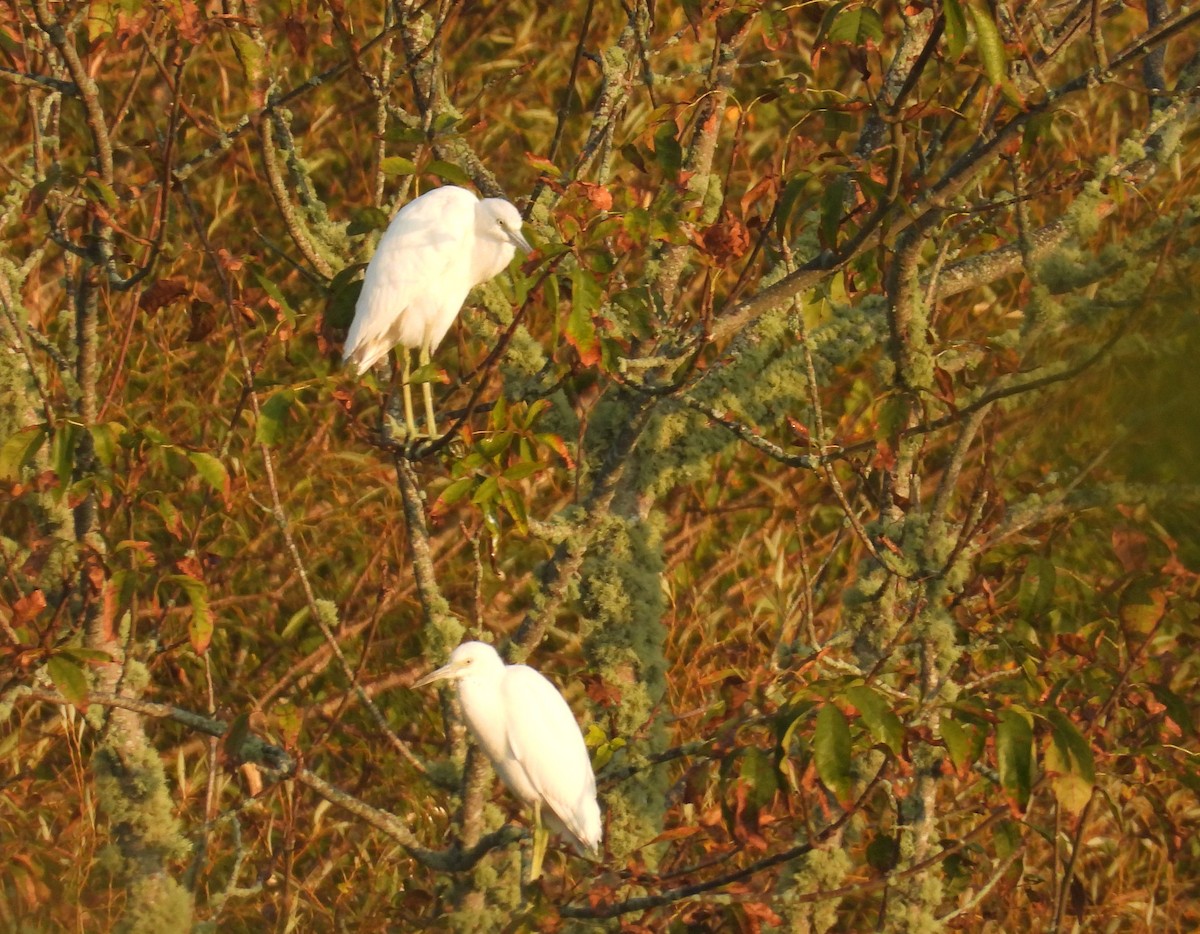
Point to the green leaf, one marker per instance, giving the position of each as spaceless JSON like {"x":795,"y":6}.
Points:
{"x":1037,"y":588}
{"x":105,"y":439}
{"x":62,"y":452}
{"x":667,"y":151}
{"x":488,"y":491}
{"x":429,"y":373}
{"x":634,"y":157}
{"x":829,"y":17}
{"x":496,"y":444}
{"x":499,"y":415}
{"x":409,"y":135}
{"x":1142,"y":607}
{"x":542,"y":164}
{"x":514,"y":505}
{"x":343,"y":296}
{"x":1007,"y":836}
{"x":958,"y":744}
{"x":211,"y":470}
{"x":871,"y":189}
{"x":833,"y":209}
{"x":268,"y":285}
{"x":200,"y":629}
{"x":398,"y":165}
{"x":831,"y":746}
{"x":102,"y":192}
{"x":362,"y":221}
{"x":1071,"y":742}
{"x":521,"y":470}
{"x":490,"y":520}
{"x":1069,"y":758}
{"x":272,"y":416}
{"x":604,"y":747}
{"x":1177,"y":709}
{"x":877,"y":715}
{"x":101,"y":19}
{"x":19,"y":449}
{"x":80,"y":654}
{"x":452,"y":494}
{"x":956,"y":28}
{"x":451,"y":173}
{"x":787,"y":202}
{"x":581,"y":330}
{"x":1014,"y":754}
{"x":534,"y":411}
{"x":443,"y":124}
{"x":857,"y":26}
{"x":69,"y":678}
{"x":758,"y":772}
{"x":236,"y":736}
{"x":989,"y":44}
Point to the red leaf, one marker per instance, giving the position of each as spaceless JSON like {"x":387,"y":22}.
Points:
{"x":727,"y":240}
{"x":1131,"y":547}
{"x":599,"y":196}
{"x":161,"y":294}
{"x":28,"y":607}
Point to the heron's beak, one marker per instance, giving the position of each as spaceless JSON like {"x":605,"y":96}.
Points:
{"x":446,"y":671}
{"x":520,"y":242}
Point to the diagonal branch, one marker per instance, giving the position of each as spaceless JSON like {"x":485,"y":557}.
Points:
{"x":252,"y":749}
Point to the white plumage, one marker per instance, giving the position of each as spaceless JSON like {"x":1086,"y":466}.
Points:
{"x":526,"y":729}
{"x":439,"y":247}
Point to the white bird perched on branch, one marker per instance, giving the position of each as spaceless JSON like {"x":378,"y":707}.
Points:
{"x":527,"y":730}
{"x":439,"y":247}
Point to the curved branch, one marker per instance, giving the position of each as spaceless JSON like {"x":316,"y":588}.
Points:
{"x":953,"y":181}
{"x":250,"y":748}
{"x":641,"y":903}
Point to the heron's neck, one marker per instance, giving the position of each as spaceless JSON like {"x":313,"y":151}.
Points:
{"x":479,"y":697}
{"x":491,"y":258}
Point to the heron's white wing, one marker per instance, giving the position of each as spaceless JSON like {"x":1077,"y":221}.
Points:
{"x":545,"y":739}
{"x":418,"y":278}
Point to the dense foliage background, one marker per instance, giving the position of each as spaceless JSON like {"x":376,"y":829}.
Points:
{"x":835,"y":453}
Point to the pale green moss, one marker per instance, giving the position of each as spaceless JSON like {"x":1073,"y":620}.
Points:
{"x":131,"y":789}
{"x":818,"y":871}
{"x":1131,"y":151}
{"x":136,"y":676}
{"x":622,"y":606}
{"x":1169,"y":138}
{"x":493,"y":896}
{"x":157,"y":905}
{"x":764,"y":374}
{"x":1069,"y":268}
{"x":1083,"y":215}
{"x":915,"y":906}
{"x":328,"y":614}
{"x":937,"y":627}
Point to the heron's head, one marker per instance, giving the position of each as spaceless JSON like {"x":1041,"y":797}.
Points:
{"x":469,"y":659}
{"x":501,"y":221}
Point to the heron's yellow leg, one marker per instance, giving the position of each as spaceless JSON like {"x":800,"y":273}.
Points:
{"x":541,"y":836}
{"x":427,"y":390}
{"x":406,"y":372}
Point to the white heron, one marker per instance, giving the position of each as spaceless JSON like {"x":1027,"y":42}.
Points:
{"x":526,"y":728}
{"x":437,"y":248}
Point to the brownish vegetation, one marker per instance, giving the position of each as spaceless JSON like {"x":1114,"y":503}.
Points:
{"x":835,"y":453}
